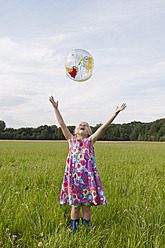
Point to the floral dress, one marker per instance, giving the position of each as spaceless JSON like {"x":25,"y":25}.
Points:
{"x":81,"y":181}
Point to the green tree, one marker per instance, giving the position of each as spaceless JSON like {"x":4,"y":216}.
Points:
{"x":2,"y":126}
{"x":153,"y":131}
{"x":23,"y":135}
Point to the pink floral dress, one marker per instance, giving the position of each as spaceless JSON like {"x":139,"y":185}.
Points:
{"x":81,"y":181}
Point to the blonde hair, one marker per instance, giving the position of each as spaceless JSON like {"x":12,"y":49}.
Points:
{"x":88,"y":128}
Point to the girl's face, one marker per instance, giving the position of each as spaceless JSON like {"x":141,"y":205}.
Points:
{"x":82,"y":129}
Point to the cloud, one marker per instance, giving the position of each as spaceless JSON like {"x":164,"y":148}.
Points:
{"x":9,"y":102}
{"x":126,"y":39}
{"x":17,"y":57}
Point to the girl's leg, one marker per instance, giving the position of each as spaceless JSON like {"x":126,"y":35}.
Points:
{"x":86,"y":211}
{"x":75,"y":212}
{"x":86,"y":216}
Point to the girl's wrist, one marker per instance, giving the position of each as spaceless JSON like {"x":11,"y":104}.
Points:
{"x":116,"y":113}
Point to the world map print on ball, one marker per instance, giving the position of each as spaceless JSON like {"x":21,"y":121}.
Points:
{"x":79,"y":65}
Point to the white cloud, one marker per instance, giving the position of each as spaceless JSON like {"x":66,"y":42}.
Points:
{"x":17,"y":57}
{"x":124,"y":38}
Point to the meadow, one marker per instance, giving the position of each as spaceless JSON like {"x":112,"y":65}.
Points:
{"x":132,"y":175}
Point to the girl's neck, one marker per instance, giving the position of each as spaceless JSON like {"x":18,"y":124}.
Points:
{"x":79,"y":137}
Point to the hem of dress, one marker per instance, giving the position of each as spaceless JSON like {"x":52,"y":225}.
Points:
{"x":92,"y":203}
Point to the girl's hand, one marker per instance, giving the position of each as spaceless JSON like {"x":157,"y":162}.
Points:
{"x":122,"y":107}
{"x":55,"y":104}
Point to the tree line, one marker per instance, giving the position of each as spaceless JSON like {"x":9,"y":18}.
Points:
{"x":133,"y":131}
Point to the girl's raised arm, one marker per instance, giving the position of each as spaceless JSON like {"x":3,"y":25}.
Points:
{"x":60,"y":120}
{"x":94,"y":137}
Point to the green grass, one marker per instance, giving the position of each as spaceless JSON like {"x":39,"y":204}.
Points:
{"x":132,"y":175}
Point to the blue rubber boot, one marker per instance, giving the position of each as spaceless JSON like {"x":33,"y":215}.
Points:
{"x":85,"y":223}
{"x":75,"y":224}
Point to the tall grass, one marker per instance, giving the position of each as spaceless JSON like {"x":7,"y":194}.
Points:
{"x":132,"y":175}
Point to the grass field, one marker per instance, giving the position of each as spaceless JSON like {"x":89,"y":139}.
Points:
{"x":132,"y":175}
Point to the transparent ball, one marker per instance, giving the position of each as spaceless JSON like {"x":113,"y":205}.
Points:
{"x":79,"y":65}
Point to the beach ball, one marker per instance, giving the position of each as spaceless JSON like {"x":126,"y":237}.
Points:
{"x":79,"y":65}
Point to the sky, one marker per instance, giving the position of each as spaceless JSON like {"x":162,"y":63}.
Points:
{"x":125,"y":38}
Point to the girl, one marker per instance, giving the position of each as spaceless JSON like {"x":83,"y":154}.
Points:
{"x":81,"y":184}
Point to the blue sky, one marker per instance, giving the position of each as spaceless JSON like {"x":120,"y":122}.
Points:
{"x":126,"y":39}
